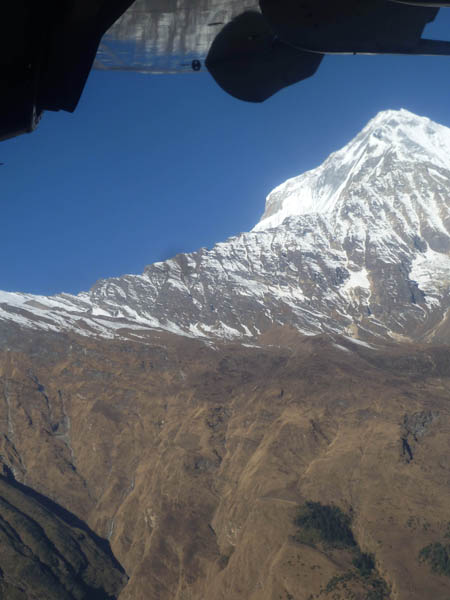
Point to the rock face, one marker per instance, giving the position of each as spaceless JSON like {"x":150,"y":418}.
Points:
{"x":359,"y":246}
{"x":189,"y":415}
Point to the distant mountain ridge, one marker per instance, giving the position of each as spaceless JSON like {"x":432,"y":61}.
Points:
{"x":359,"y":246}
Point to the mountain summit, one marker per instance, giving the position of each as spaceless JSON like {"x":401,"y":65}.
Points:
{"x":392,"y":136}
{"x":359,"y":246}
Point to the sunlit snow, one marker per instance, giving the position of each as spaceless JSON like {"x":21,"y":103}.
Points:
{"x":371,"y":225}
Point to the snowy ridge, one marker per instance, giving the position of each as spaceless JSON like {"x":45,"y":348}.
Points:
{"x":359,"y":246}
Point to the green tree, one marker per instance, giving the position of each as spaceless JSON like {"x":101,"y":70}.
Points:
{"x":332,"y":525}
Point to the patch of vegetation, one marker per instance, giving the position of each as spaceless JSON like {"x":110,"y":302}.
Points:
{"x":375,"y":587}
{"x":328,"y":524}
{"x":378,"y":590}
{"x":365,"y":563}
{"x":337,"y":580}
{"x":310,"y":537}
{"x":438,"y":557}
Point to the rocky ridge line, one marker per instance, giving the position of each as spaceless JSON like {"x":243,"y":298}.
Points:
{"x":359,"y":246}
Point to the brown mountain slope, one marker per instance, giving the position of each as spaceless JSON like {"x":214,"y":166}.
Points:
{"x":194,"y":460}
{"x":47,"y":553}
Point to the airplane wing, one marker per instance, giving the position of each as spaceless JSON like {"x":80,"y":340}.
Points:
{"x":253,"y":48}
{"x":165,"y":36}
{"x":367,"y":27}
{"x":47,"y":48}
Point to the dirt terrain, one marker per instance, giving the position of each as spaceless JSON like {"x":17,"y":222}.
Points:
{"x":194,"y":459}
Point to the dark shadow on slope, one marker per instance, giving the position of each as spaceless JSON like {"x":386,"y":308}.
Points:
{"x":63,"y":514}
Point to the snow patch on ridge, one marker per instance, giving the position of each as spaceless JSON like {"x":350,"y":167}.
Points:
{"x":357,"y":279}
{"x":431,"y":271}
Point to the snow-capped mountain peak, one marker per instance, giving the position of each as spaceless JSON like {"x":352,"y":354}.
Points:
{"x":395,"y":135}
{"x":359,"y":246}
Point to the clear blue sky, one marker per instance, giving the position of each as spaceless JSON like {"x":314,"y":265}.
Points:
{"x":149,"y":166}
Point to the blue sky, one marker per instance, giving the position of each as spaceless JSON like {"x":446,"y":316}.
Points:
{"x":149,"y":166}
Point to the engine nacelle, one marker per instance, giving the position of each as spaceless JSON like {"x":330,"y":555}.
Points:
{"x":249,"y":62}
{"x":431,"y":3}
{"x":314,"y":13}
